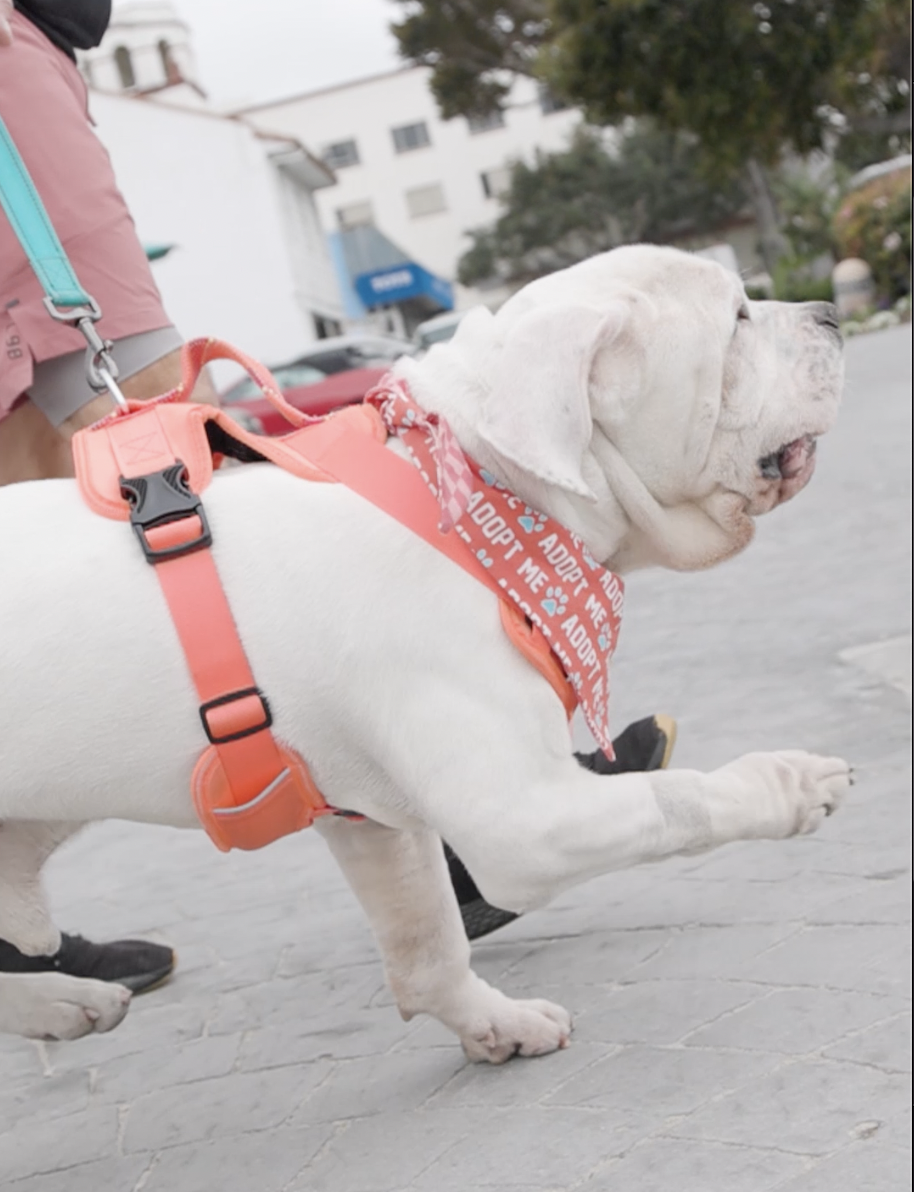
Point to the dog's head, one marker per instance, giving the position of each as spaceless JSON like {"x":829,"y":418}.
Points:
{"x":644,"y":400}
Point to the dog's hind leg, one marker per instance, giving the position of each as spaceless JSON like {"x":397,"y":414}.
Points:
{"x":401,"y":880}
{"x":25,"y":921}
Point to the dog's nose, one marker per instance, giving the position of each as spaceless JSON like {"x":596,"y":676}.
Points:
{"x":825,"y":314}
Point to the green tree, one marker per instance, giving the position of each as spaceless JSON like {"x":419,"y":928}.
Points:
{"x":473,"y":48}
{"x":749,"y":79}
{"x":567,"y":206}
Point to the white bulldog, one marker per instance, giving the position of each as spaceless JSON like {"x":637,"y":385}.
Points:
{"x":640,"y":399}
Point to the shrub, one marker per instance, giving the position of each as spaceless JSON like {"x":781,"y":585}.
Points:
{"x":874,"y":223}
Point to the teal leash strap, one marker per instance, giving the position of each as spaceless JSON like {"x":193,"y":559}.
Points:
{"x":66,"y":300}
{"x":36,"y":234}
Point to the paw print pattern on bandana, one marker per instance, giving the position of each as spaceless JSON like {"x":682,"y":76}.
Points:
{"x":521,"y":551}
{"x":492,"y":481}
{"x":531,"y":521}
{"x":555,"y":602}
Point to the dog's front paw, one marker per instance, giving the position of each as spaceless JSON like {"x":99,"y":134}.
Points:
{"x":54,"y":1006}
{"x":793,"y":791}
{"x":510,"y":1028}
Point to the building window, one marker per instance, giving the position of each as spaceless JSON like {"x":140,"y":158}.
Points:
{"x":325,"y":327}
{"x":169,"y":66}
{"x":410,"y":136}
{"x":496,"y":182}
{"x":425,"y":200}
{"x":550,"y":103}
{"x":341,"y":154}
{"x":124,"y":64}
{"x":355,"y":215}
{"x":486,"y":123}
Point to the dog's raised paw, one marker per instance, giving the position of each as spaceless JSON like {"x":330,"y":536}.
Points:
{"x":820,"y":785}
{"x":788,"y":793}
{"x":527,"y":1028}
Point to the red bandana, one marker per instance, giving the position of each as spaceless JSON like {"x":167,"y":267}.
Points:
{"x":541,"y":566}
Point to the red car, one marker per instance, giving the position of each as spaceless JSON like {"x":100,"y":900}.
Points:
{"x":315,"y":395}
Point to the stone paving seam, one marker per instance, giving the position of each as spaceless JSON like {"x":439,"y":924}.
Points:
{"x":813,"y":1162}
{"x":145,"y":1176}
{"x":606,"y":1165}
{"x":338,"y":1129}
{"x":123,"y":1112}
{"x":810,"y":1156}
{"x":333,"y":1068}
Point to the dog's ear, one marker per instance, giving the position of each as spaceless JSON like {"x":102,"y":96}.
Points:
{"x":537,"y":410}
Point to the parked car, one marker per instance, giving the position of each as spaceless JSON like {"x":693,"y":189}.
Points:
{"x":342,"y":352}
{"x":334,"y":372}
{"x":436,"y":331}
{"x":305,"y":387}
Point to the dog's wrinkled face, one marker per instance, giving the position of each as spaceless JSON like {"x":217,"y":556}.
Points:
{"x":644,"y":378}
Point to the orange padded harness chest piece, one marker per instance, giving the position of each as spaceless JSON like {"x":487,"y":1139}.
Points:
{"x":149,"y":466}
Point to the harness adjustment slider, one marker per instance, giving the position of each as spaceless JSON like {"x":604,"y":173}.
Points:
{"x":228,"y":723}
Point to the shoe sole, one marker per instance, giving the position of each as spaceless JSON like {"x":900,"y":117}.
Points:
{"x":479,"y":918}
{"x":146,"y":982}
{"x":663,"y":751}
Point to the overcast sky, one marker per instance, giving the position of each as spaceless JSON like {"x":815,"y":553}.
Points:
{"x":253,"y":50}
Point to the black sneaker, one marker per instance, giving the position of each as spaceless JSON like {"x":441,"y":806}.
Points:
{"x":137,"y":964}
{"x":645,"y":745}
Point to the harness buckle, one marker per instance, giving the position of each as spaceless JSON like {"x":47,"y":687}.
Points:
{"x":226,"y":730}
{"x":161,"y":499}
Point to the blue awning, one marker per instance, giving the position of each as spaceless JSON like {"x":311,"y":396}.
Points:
{"x":397,"y":283}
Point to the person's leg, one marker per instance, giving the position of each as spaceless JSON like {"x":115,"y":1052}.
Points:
{"x":645,"y":745}
{"x":32,"y":448}
{"x":44,"y":396}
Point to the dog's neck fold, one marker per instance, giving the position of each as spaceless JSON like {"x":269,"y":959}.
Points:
{"x":626,"y":528}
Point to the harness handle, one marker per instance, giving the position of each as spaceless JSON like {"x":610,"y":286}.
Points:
{"x":196,"y":354}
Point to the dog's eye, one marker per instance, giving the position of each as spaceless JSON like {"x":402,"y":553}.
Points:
{"x":742,"y":315}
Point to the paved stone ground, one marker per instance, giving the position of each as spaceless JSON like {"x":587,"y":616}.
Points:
{"x":742,"y":1018}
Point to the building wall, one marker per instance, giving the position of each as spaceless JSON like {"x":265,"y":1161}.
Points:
{"x":250,"y":265}
{"x":366,"y":111}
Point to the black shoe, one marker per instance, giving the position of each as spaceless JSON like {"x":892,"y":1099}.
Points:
{"x":645,"y":745}
{"x":135,"y":963}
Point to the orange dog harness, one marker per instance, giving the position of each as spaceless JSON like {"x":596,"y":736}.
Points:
{"x":149,"y":466}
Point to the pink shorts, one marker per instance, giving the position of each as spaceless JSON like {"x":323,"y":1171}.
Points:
{"x":43,"y":102}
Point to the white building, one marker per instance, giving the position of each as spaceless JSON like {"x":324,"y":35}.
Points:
{"x":248,"y":260}
{"x":146,"y":48}
{"x":422,"y":181}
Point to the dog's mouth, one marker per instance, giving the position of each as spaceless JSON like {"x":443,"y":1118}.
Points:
{"x":791,"y":460}
{"x":791,"y":467}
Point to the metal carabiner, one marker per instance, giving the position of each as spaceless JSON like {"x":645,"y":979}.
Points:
{"x":101,"y":368}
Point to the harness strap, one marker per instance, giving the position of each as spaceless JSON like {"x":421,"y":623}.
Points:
{"x":370,"y":469}
{"x":247,"y":788}
{"x":150,"y":464}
